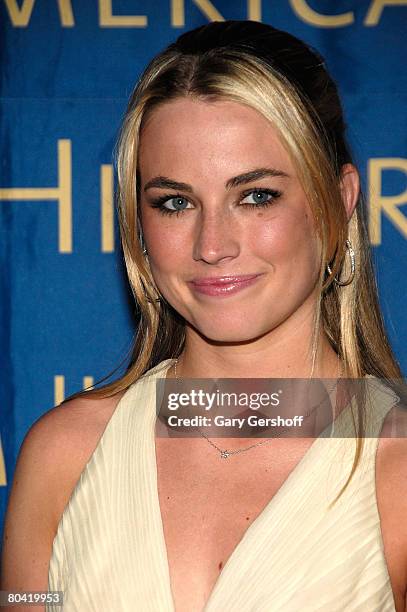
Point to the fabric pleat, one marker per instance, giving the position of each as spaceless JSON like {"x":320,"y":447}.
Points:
{"x":109,"y":552}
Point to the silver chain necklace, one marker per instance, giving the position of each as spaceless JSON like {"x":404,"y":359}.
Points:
{"x":225,"y":454}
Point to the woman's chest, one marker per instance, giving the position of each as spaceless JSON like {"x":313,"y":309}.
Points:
{"x":216,"y":511}
{"x":248,"y":532}
{"x":208,"y":505}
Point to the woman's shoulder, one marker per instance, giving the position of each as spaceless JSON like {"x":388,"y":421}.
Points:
{"x":392,"y":447}
{"x":391,"y":489}
{"x":51,"y":458}
{"x":392,"y":451}
{"x":63,"y":439}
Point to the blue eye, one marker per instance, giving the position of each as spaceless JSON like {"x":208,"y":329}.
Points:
{"x":170,"y":203}
{"x":179,"y":203}
{"x":261,"y":197}
{"x":176,"y":204}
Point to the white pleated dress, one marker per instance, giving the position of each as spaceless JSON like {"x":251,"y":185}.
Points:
{"x":109,"y":552}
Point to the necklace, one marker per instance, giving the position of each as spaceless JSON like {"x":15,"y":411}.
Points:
{"x":225,"y":454}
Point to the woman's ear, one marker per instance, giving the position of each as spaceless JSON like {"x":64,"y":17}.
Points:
{"x":350,"y":188}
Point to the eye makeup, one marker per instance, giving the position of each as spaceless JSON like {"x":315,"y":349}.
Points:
{"x":160,"y":201}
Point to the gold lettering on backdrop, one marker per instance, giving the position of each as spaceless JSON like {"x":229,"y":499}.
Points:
{"x":108,"y":20}
{"x":3,"y":477}
{"x":254,"y":10}
{"x":87,"y":382}
{"x":59,"y":387}
{"x":178,"y":12}
{"x":386,"y":204}
{"x":62,"y":193}
{"x":20,"y":17}
{"x":107,"y":208}
{"x":66,"y":13}
{"x":376,"y":8}
{"x":307,"y":14}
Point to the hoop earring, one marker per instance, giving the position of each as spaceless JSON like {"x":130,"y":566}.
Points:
{"x":352,"y":267}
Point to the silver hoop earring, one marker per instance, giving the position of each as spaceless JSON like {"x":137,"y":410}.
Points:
{"x":352,"y":267}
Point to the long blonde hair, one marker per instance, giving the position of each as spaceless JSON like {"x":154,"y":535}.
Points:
{"x":281,"y":77}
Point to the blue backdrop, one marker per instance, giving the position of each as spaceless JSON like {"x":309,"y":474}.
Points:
{"x":67,"y":69}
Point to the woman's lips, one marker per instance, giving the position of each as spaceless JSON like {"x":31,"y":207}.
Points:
{"x":224,"y":285}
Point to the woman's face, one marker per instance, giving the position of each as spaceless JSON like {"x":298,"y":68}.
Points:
{"x":229,"y":232}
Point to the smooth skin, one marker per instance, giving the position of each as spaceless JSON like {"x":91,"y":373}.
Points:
{"x":262,"y":331}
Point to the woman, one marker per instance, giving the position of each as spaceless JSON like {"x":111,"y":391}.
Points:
{"x":245,"y":242}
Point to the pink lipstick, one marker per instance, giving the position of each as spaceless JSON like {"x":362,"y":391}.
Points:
{"x":223,"y":285}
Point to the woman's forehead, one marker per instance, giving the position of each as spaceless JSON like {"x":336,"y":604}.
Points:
{"x":190,"y":113}
{"x":221,"y":133}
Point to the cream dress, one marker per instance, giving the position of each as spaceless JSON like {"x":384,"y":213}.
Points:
{"x":109,"y":552}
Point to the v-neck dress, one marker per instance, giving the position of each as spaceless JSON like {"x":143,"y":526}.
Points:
{"x":109,"y":553}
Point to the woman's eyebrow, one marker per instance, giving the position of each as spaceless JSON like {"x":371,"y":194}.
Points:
{"x":164,"y":182}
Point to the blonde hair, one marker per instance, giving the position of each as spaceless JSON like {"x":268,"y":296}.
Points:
{"x":283,"y":79}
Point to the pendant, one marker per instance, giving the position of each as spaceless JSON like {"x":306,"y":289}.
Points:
{"x":224,"y":454}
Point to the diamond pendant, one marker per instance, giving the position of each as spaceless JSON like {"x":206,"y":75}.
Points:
{"x":225,"y":454}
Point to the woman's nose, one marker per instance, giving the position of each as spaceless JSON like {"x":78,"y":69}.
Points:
{"x":216,"y":238}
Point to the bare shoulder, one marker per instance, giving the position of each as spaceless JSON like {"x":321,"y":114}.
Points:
{"x":52,"y":456}
{"x":71,"y":433}
{"x":65,"y":437}
{"x":391,"y":486}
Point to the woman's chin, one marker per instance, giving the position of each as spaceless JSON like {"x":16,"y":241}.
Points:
{"x":230,"y":334}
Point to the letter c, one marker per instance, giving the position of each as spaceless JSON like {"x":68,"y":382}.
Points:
{"x":310,"y":16}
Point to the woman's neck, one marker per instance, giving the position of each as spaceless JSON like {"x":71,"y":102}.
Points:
{"x":261,"y":358}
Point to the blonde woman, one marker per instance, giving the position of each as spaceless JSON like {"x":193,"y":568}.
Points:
{"x":244,"y":236}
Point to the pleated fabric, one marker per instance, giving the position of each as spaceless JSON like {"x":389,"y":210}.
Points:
{"x":109,"y":552}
